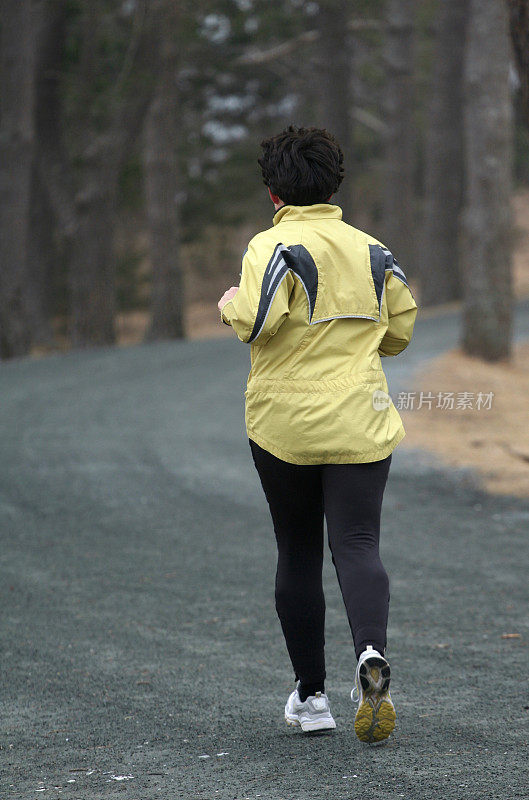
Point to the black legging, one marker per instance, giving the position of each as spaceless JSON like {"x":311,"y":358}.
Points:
{"x":350,"y":496}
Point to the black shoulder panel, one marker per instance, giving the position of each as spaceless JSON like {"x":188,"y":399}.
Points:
{"x":302,"y":264}
{"x":377,"y":258}
{"x":297,"y":259}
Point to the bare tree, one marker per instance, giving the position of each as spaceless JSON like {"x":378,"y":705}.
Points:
{"x":99,"y":159}
{"x":17,"y":142}
{"x":162,"y":131}
{"x":444,"y":167}
{"x":399,"y":224}
{"x":334,"y":66}
{"x":42,"y":252}
{"x":40,"y":266}
{"x":82,"y":174}
{"x":487,"y":234}
{"x":519,"y":26}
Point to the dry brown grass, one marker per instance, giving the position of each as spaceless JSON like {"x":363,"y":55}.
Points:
{"x":494,"y":441}
{"x":521,"y":248}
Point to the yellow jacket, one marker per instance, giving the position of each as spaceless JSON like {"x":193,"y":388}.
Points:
{"x":320,"y":302}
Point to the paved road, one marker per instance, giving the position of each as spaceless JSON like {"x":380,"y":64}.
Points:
{"x":141,"y":654}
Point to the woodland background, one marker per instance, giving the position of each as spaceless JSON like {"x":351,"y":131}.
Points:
{"x":130,"y":129}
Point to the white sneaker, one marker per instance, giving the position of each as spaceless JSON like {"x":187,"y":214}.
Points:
{"x":312,"y":715}
{"x":375,"y":716}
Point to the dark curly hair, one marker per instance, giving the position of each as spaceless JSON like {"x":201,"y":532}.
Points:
{"x":302,"y":166}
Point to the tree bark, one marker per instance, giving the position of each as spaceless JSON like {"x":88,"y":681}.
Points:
{"x":519,"y":27}
{"x":43,"y":252}
{"x":398,"y":202}
{"x":41,"y":256}
{"x":487,"y":219}
{"x":53,"y":161}
{"x":83,"y":185}
{"x":161,"y":187}
{"x":335,"y":62}
{"x":16,"y":163}
{"x":444,"y":169}
{"x":92,"y":266}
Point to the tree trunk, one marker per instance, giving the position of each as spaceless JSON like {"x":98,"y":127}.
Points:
{"x":41,"y":253}
{"x":84,"y":217}
{"x":83,"y":185}
{"x":53,"y":161}
{"x":487,"y":221}
{"x":16,"y":162}
{"x":444,"y":171}
{"x":335,"y":89}
{"x":519,"y":26}
{"x":399,"y":224}
{"x":161,"y":189}
{"x":92,"y":265}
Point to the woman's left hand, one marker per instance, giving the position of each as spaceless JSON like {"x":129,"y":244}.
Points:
{"x":228,"y":295}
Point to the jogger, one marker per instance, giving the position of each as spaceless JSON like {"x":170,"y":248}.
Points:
{"x":321,"y":303}
{"x":349,"y":496}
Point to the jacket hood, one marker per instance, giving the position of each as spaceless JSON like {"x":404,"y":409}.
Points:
{"x":289,"y":213}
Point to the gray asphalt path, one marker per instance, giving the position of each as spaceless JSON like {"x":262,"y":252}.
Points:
{"x":141,"y":653}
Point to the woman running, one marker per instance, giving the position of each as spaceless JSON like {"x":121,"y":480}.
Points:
{"x":321,"y":302}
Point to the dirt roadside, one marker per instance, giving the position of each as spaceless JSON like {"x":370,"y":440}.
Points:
{"x":490,"y":436}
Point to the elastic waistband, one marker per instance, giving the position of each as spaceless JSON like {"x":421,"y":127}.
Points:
{"x":322,"y":385}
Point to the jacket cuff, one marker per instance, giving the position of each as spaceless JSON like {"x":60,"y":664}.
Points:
{"x":225,"y":321}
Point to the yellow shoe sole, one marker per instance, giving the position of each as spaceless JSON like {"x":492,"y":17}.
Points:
{"x":375,"y":717}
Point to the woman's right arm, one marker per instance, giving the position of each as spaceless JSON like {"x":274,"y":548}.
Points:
{"x":402,"y":310}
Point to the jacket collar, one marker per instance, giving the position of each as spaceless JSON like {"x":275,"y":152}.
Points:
{"x":289,"y":213}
